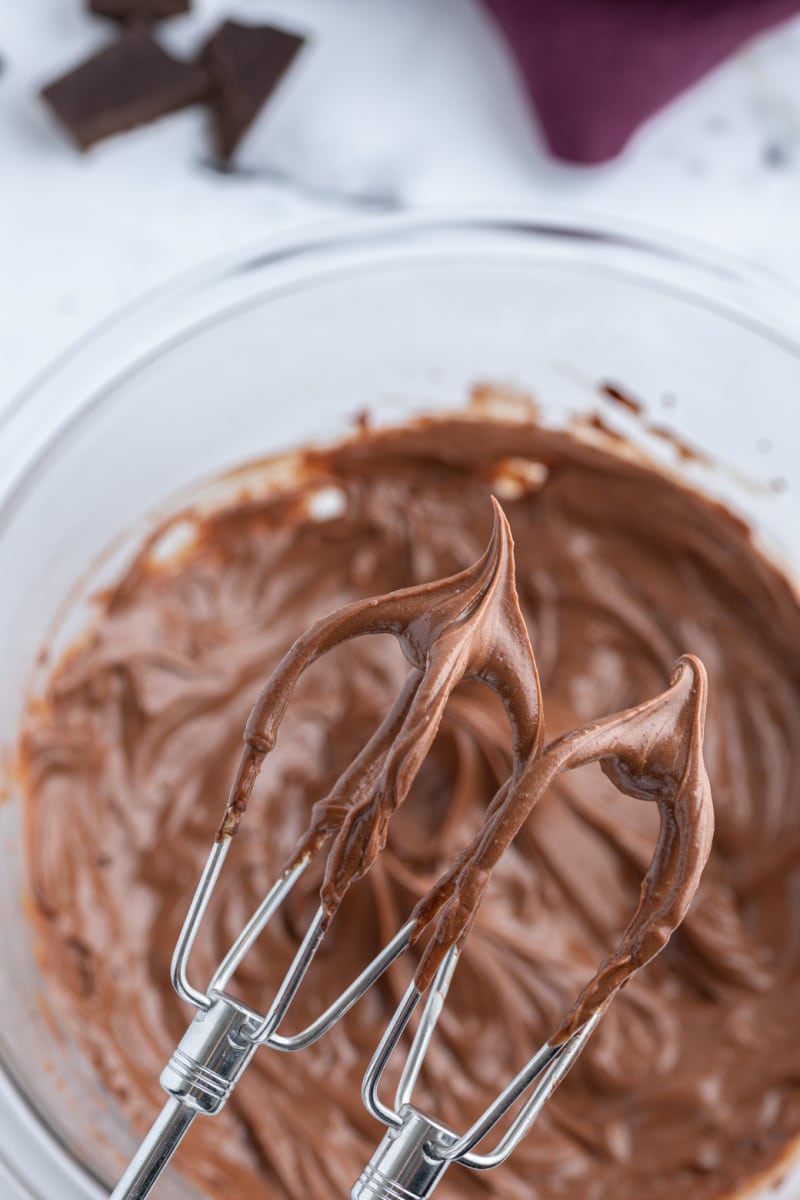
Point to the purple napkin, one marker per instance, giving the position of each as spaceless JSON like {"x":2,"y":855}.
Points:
{"x":596,"y":69}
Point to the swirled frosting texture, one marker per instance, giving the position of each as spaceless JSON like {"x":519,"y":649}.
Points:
{"x":469,"y":627}
{"x":692,"y":1083}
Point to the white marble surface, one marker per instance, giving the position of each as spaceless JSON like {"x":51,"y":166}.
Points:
{"x":405,"y":103}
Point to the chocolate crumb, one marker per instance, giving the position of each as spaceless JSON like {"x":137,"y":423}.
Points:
{"x":595,"y":421}
{"x":246,"y":64}
{"x":130,"y":82}
{"x":612,"y":392}
{"x":685,"y":451}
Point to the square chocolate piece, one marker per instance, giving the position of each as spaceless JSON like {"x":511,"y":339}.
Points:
{"x":142,"y":11}
{"x":130,"y":82}
{"x":245,"y":64}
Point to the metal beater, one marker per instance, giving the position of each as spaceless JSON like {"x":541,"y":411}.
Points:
{"x":225,"y":1033}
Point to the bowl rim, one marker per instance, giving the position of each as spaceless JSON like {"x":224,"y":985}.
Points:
{"x":758,"y":299}
{"x":338,"y":232}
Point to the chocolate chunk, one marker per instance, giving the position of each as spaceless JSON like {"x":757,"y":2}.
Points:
{"x":131,"y":11}
{"x":246,"y":63}
{"x":131,"y":82}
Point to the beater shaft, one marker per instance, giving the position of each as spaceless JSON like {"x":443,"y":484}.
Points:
{"x":156,"y":1150}
{"x":199,"y":1078}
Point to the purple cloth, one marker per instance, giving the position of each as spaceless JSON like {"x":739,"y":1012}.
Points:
{"x":596,"y":69}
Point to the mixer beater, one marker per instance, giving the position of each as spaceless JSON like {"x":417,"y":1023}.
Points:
{"x":466,"y":627}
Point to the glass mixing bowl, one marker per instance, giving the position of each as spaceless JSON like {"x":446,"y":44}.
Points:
{"x":283,"y":345}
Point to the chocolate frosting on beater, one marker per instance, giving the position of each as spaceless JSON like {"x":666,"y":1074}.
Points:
{"x":466,"y":627}
{"x":691,"y":1084}
{"x":652,"y":752}
{"x":470,"y":627}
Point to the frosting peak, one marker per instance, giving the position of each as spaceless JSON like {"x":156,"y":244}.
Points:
{"x":652,"y":751}
{"x":468,"y":626}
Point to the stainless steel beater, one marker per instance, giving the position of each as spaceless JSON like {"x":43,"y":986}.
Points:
{"x":225,"y":1033}
{"x":417,"y":1150}
{"x":439,"y":626}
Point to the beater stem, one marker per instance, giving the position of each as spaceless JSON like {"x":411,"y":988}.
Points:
{"x":156,"y":1150}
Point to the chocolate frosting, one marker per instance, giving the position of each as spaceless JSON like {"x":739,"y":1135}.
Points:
{"x":466,"y":627}
{"x":470,"y":627}
{"x":653,"y":752}
{"x":691,"y":1084}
